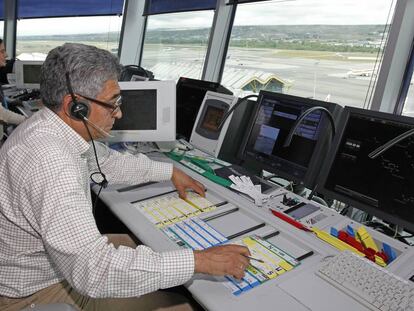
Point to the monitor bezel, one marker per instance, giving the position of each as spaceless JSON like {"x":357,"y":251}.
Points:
{"x":203,"y":84}
{"x":166,"y":130}
{"x":19,"y":71}
{"x":347,"y":113}
{"x":310,"y":178}
{"x":195,"y":84}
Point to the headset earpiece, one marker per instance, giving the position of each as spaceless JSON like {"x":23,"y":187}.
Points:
{"x":79,"y":110}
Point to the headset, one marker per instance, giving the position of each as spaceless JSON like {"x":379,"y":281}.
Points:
{"x":80,"y":111}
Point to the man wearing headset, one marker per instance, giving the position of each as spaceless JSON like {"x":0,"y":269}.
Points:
{"x":50,"y":247}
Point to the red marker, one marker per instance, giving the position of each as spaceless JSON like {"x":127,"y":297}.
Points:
{"x":290,"y":220}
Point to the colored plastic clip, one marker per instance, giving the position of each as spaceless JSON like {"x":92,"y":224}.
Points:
{"x":350,"y":231}
{"x":334,"y":232}
{"x":344,"y":236}
{"x":325,"y":236}
{"x":366,"y":238}
{"x":389,"y":252}
{"x":289,"y":220}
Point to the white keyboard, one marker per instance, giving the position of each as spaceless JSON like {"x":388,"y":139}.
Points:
{"x":369,"y":284}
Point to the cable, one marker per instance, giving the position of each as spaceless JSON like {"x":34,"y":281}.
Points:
{"x":359,"y":215}
{"x":381,"y":149}
{"x":312,"y":193}
{"x":290,"y":184}
{"x":345,"y":210}
{"x":295,"y":126}
{"x":319,"y":200}
{"x":387,"y":230}
{"x":96,"y":200}
{"x":405,"y":236}
{"x":104,"y":182}
{"x":396,"y":231}
{"x":238,"y":103}
{"x":303,"y":116}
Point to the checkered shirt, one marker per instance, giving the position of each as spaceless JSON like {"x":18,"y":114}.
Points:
{"x":47,"y":229}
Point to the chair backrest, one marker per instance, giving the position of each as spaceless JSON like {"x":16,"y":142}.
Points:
{"x":135,"y":73}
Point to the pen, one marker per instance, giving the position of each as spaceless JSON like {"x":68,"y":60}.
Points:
{"x":289,"y":220}
{"x":255,"y":259}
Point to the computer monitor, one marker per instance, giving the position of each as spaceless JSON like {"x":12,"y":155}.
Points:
{"x":209,"y":132}
{"x":148,"y":112}
{"x":27,"y":74}
{"x":384,"y":186}
{"x":229,"y":150}
{"x":269,"y":126}
{"x":190,"y":95}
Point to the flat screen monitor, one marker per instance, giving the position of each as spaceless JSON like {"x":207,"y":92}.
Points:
{"x":269,"y":126}
{"x":148,"y":112}
{"x":384,"y":186}
{"x":190,"y":95}
{"x":27,"y":74}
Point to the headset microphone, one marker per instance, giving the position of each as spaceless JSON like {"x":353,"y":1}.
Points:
{"x":100,"y":130}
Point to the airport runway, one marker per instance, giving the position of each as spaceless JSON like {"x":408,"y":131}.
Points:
{"x":308,"y":77}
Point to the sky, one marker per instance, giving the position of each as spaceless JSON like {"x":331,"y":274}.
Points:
{"x":291,"y":12}
{"x":69,"y":25}
{"x":277,"y":12}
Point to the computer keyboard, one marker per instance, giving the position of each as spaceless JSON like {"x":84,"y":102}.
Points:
{"x":366,"y":282}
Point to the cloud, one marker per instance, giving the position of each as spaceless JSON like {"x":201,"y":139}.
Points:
{"x":278,"y":12}
{"x":182,"y":20}
{"x":303,"y":12}
{"x":68,"y":25}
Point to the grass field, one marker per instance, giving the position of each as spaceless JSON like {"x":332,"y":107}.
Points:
{"x":45,"y":46}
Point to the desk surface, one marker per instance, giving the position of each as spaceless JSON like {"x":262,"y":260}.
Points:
{"x":300,"y":289}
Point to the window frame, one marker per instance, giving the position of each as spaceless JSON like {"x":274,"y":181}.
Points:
{"x":405,"y":86}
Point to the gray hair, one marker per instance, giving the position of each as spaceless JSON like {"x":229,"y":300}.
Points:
{"x":88,"y":67}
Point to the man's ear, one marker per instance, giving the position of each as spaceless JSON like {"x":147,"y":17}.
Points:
{"x":64,"y":109}
{"x":65,"y":106}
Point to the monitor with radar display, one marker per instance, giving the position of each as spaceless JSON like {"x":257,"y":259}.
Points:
{"x":190,"y":95}
{"x":148,"y":112}
{"x":27,"y":74}
{"x":263,"y":144}
{"x":382,"y":186}
{"x":208,"y":132}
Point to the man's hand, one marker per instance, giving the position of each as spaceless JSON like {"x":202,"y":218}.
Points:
{"x":222,"y":260}
{"x":182,"y":182}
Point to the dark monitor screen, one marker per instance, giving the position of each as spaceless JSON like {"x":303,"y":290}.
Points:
{"x":139,"y":110}
{"x":384,"y":186}
{"x":212,"y":118}
{"x":190,"y":95}
{"x":31,"y":73}
{"x":270,"y":125}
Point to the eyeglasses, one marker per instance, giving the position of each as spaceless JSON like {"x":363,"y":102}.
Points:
{"x":115,"y":107}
